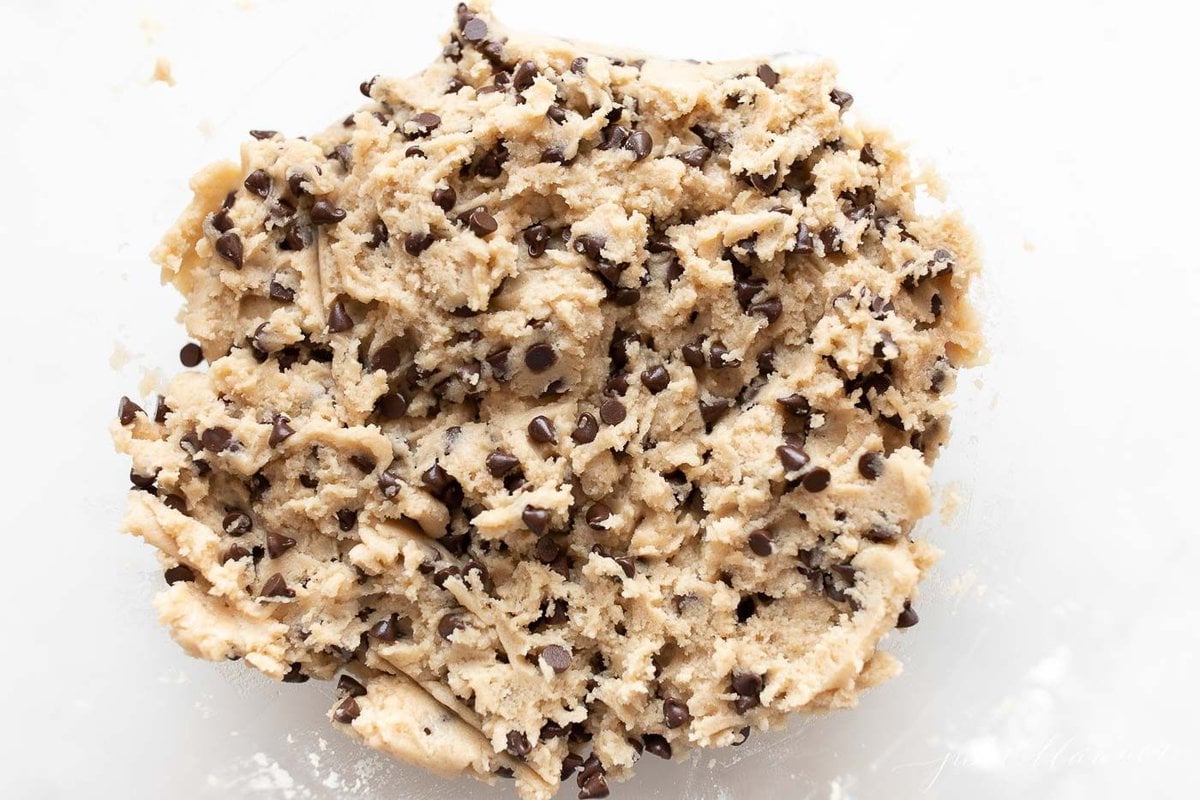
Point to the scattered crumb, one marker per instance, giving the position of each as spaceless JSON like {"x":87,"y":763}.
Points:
{"x":245,"y":5}
{"x":1029,"y":246}
{"x":205,"y":128}
{"x":162,"y":72}
{"x":150,"y":28}
{"x":151,"y":382}
{"x":119,"y":357}
{"x":951,"y":500}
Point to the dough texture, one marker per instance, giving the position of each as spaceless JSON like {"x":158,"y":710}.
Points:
{"x":573,"y":406}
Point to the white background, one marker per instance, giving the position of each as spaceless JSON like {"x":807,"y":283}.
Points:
{"x":1057,"y":652}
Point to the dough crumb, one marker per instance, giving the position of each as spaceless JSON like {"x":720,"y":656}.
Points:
{"x":119,"y":357}
{"x":162,"y":72}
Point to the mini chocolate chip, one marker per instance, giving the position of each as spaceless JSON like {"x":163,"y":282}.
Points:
{"x":536,"y":238}
{"x":524,"y":75}
{"x":235,"y":553}
{"x":216,"y":439}
{"x":870,"y":465}
{"x":161,"y":409}
{"x":717,"y":353}
{"x":258,"y":182}
{"x":339,"y":319}
{"x":389,"y":484}
{"x":586,"y":429}
{"x":276,"y":586}
{"x":597,"y":515}
{"x":541,"y":430}
{"x":349,"y":687}
{"x":180,"y":573}
{"x":175,"y":502}
{"x":614,"y":136}
{"x":579,"y":65}
{"x":237,"y":523}
{"x":347,"y":518}
{"x":425,"y":122}
{"x":281,"y":293}
{"x":518,"y":744}
{"x":260,"y":135}
{"x":190,"y":355}
{"x":553,"y":155}
{"x":796,"y":404}
{"x":761,"y":542}
{"x":556,"y":658}
{"x":450,"y":623}
{"x":221,"y":221}
{"x":771,"y":308}
{"x":907,"y":617}
{"x":793,"y":458}
{"x":277,"y":544}
{"x":546,"y":550}
{"x":693,"y":354}
{"x":656,"y":379}
{"x":346,"y":711}
{"x":540,"y":357}
{"x":675,"y":713}
{"x":804,"y":240}
{"x":445,"y":198}
{"x":767,"y":75}
{"x":590,"y":245}
{"x":881,"y":534}
{"x":392,"y":405}
{"x":817,"y":480}
{"x":384,"y":630}
{"x":127,"y":411}
{"x":500,"y":463}
{"x":326,"y":213}
{"x":764,"y":183}
{"x":711,"y":411}
{"x":536,"y":519}
{"x":657,"y":745}
{"x":364,"y":462}
{"x":481,"y":222}
{"x":842,"y":100}
{"x":695,"y":157}
{"x":640,"y":144}
{"x":229,"y":247}
{"x":366,"y":86}
{"x":557,"y":114}
{"x":417,"y":243}
{"x":295,"y":182}
{"x":280,"y":430}
{"x":612,"y":411}
{"x":595,"y":786}
{"x":474,"y":30}
{"x":498,"y":361}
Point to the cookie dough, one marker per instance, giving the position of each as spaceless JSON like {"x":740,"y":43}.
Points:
{"x":567,"y":405}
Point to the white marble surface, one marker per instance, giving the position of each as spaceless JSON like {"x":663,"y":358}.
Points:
{"x":1057,"y":652}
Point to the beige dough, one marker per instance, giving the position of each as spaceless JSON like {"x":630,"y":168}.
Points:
{"x":577,"y":405}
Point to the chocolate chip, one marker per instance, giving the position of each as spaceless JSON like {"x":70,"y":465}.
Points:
{"x":870,"y":465}
{"x":907,"y":617}
{"x":556,"y":658}
{"x":517,"y":744}
{"x":540,"y":357}
{"x":793,"y":458}
{"x":127,"y":411}
{"x":445,"y":198}
{"x":817,"y":480}
{"x":180,"y":573}
{"x":436,"y":480}
{"x":339,"y":319}
{"x":656,"y":379}
{"x":349,"y":687}
{"x":366,"y":86}
{"x":657,"y":745}
{"x":595,"y":786}
{"x":693,"y":354}
{"x":614,"y":136}
{"x":640,"y":144}
{"x":260,"y":135}
{"x":384,"y":630}
{"x":804,"y":240}
{"x":675,"y":713}
{"x":279,"y":292}
{"x":536,"y":519}
{"x":237,"y":523}
{"x":389,"y":484}
{"x":597,"y":515}
{"x":450,"y":623}
{"x":553,"y":155}
{"x":278,"y":544}
{"x":190,"y":355}
{"x":498,"y":361}
{"x":761,"y":542}
{"x":590,"y":245}
{"x":229,"y":247}
{"x":546,"y":550}
{"x":364,"y":462}
{"x":296,"y":237}
{"x":258,"y":182}
{"x":795,"y":404}
{"x":346,"y":711}
{"x":747,"y":686}
{"x":579,"y":65}
{"x":557,"y":114}
{"x":474,"y":30}
{"x":764,"y":183}
{"x":541,"y":430}
{"x":175,"y":502}
{"x":524,"y":75}
{"x":717,"y":353}
{"x":695,"y":157}
{"x":881,"y":534}
{"x":842,"y":100}
{"x":216,"y":439}
{"x":711,"y":411}
{"x":481,"y":222}
{"x":612,"y":411}
{"x":500,"y":463}
{"x":417,"y":243}
{"x":771,"y":308}
{"x":425,"y":122}
{"x":280,"y":431}
{"x":491,"y":165}
{"x":767,"y":75}
{"x":326,"y":213}
{"x":586,"y":429}
{"x":276,"y":586}
{"x":347,"y":518}
{"x":536,"y":238}
{"x":235,"y":553}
